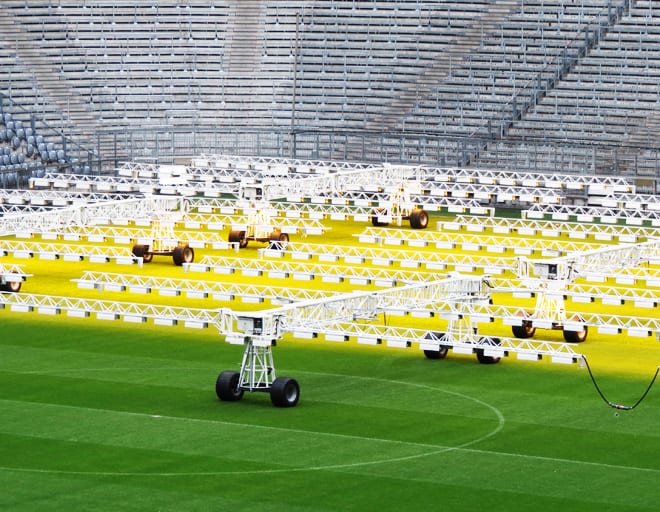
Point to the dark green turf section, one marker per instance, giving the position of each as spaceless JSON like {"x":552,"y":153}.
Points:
{"x":124,"y":417}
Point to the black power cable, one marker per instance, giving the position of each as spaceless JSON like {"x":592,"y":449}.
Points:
{"x":612,"y":404}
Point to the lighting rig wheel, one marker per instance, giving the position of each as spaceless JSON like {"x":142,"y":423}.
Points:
{"x":183,"y":254}
{"x":576,"y":336}
{"x":484,"y":359}
{"x":419,"y":219}
{"x":142,"y":251}
{"x":11,"y":286}
{"x":524,"y":331}
{"x":441,"y":353}
{"x":284,"y":392}
{"x":226,"y":386}
{"x":239,"y":238}
{"x":278,"y":240}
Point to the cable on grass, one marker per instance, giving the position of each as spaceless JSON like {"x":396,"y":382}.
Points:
{"x":613,"y":405}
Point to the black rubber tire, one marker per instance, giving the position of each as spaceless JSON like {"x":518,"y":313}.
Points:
{"x":484,"y":359}
{"x":436,"y":354}
{"x":278,"y":240}
{"x":441,"y":353}
{"x":239,"y":238}
{"x":576,"y":336}
{"x":374,"y":218}
{"x":523,"y":331}
{"x":139,"y":250}
{"x":13,"y":286}
{"x":226,"y":386}
{"x":419,"y":219}
{"x":142,"y":251}
{"x":183,"y":254}
{"x":284,"y":392}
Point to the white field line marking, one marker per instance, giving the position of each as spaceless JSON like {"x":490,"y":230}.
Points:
{"x":435,"y":449}
{"x":463,"y":447}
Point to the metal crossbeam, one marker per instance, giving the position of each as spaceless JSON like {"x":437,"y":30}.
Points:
{"x":573,"y":230}
{"x":55,"y":198}
{"x":605,"y":323}
{"x":604,"y":260}
{"x":631,"y":216}
{"x":197,"y":289}
{"x":219,"y":162}
{"x":86,"y":214}
{"x":308,"y":271}
{"x":114,"y":310}
{"x":12,"y":274}
{"x":358,"y":316}
{"x":589,"y":183}
{"x":521,"y":246}
{"x":628,"y":201}
{"x":126,"y":235}
{"x":410,"y":259}
{"x":582,"y":293}
{"x":359,"y":207}
{"x":73,"y":252}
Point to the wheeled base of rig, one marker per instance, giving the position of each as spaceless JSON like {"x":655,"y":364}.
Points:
{"x":257,"y":374}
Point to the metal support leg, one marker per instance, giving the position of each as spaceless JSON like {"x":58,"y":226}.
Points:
{"x":257,"y":368}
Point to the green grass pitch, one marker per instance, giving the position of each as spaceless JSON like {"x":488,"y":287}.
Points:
{"x":109,"y":416}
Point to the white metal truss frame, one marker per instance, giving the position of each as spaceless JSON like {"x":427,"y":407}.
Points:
{"x":353,"y":315}
{"x":198,"y":289}
{"x":406,"y":259}
{"x":308,"y":271}
{"x":123,"y":185}
{"x":289,"y":225}
{"x":277,"y":165}
{"x":598,"y":184}
{"x":13,"y":209}
{"x":550,"y":229}
{"x":628,"y":201}
{"x":198,"y":180}
{"x":303,"y":227}
{"x":630,"y":216}
{"x":551,"y":277}
{"x":225,"y":320}
{"x":583,"y":293}
{"x":376,"y":181}
{"x":636,"y":326}
{"x":473,"y":242}
{"x":492,"y":193}
{"x":114,"y":310}
{"x":604,"y":260}
{"x":590,"y":183}
{"x":266,"y":327}
{"x":334,"y":208}
{"x":188,"y":221}
{"x":98,"y":184}
{"x":371,"y":183}
{"x":12,"y":274}
{"x":138,"y":169}
{"x":68,"y":252}
{"x":87,"y":214}
{"x":129,"y":235}
{"x":54,"y":198}
{"x":629,"y":276}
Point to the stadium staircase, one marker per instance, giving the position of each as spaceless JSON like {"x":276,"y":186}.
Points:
{"x":452,"y":55}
